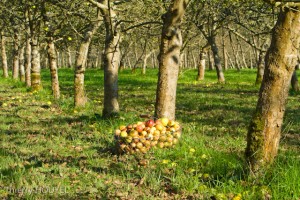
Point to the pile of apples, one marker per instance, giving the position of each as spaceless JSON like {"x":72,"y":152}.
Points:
{"x":142,"y":136}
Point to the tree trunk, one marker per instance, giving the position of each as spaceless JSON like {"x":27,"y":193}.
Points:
{"x":294,"y":81}
{"x":52,"y":57}
{"x":70,"y":64}
{"x":169,"y":60}
{"x":201,"y":66}
{"x":27,"y":64}
{"x":224,"y":51}
{"x":145,"y":62}
{"x":21,"y":64}
{"x":265,"y":127}
{"x":36,"y":83}
{"x":210,"y":61}
{"x":16,"y":62}
{"x":260,"y":68}
{"x":80,"y":98}
{"x":215,"y":50}
{"x":235,"y":54}
{"x":111,"y":63}
{"x":4,"y":56}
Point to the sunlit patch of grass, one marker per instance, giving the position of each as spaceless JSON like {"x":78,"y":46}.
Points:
{"x":57,"y":146}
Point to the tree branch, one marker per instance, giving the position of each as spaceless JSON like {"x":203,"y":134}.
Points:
{"x":99,"y":5}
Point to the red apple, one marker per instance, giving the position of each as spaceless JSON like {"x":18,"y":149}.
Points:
{"x":139,"y":128}
{"x":150,"y":123}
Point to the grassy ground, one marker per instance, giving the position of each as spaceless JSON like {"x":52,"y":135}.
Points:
{"x":51,"y":151}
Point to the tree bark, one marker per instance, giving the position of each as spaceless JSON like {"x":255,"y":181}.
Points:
{"x":294,"y":81}
{"x":4,"y":56}
{"x":224,"y":51}
{"x":80,"y":98}
{"x":201,"y":66}
{"x":260,"y":68}
{"x":52,"y":57}
{"x":27,"y":64}
{"x":235,"y":54}
{"x":21,"y":65}
{"x":70,"y":64}
{"x":16,"y":52}
{"x":169,"y":60}
{"x":218,"y":66}
{"x":265,"y":127}
{"x":36,"y":83}
{"x":111,"y":63}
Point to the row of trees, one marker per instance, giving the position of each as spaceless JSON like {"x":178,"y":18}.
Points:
{"x":113,"y":25}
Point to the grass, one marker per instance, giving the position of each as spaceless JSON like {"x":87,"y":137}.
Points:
{"x":56,"y":152}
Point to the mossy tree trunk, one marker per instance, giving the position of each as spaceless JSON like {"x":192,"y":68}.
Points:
{"x":201,"y":65}
{"x":215,"y":50}
{"x":16,"y":52}
{"x":111,"y":61}
{"x":51,"y":51}
{"x":36,"y":83}
{"x":80,"y":98}
{"x":169,"y":59}
{"x":53,"y":68}
{"x":294,"y":81}
{"x":3,"y":55}
{"x":260,"y":68}
{"x":265,"y":127}
{"x":34,"y":27}
{"x":21,"y":64}
{"x":27,"y":62}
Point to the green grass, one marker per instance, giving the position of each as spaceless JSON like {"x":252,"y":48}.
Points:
{"x":65,"y":154}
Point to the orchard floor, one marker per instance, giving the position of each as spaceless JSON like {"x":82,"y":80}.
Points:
{"x":48,"y":150}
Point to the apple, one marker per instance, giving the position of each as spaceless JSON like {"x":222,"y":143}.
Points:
{"x":161,"y":145}
{"x":153,"y":143}
{"x":142,"y":139}
{"x":156,"y":138}
{"x":139,"y":145}
{"x":149,"y":123}
{"x":144,"y":133}
{"x":171,"y":123}
{"x":175,"y":141}
{"x":156,"y":132}
{"x":129,"y":126}
{"x":177,"y":134}
{"x":123,"y":134}
{"x":139,"y":128}
{"x":133,"y":133}
{"x":129,"y":139}
{"x":122,"y":127}
{"x":117,"y":132}
{"x":159,"y":127}
{"x":158,"y":121}
{"x":169,"y":139}
{"x":163,"y":138}
{"x":140,"y":123}
{"x":164,"y":121}
{"x":147,"y":143}
{"x":167,"y":144}
{"x":150,"y":136}
{"x":123,"y":146}
{"x":133,"y":144}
